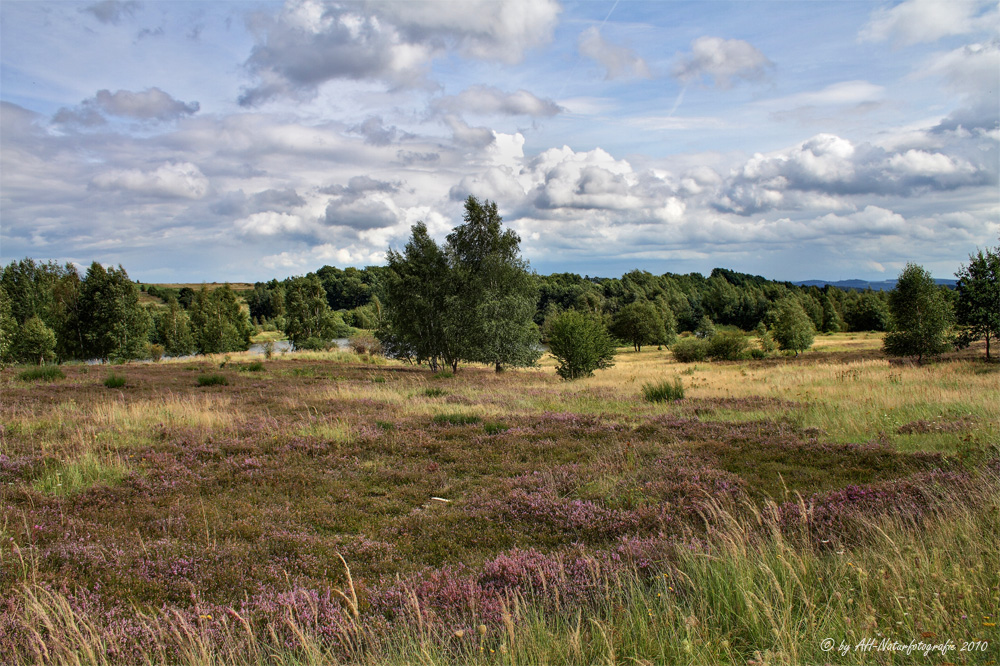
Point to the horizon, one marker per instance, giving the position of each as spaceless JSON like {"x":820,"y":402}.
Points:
{"x":248,"y":140}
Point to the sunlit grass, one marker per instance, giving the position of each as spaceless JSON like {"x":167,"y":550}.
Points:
{"x":81,"y":473}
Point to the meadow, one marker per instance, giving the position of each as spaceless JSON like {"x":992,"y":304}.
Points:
{"x":328,"y":507}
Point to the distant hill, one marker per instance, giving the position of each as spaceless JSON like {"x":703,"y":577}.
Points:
{"x":861,"y":285}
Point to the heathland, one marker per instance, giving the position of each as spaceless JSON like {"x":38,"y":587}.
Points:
{"x":329,"y":507}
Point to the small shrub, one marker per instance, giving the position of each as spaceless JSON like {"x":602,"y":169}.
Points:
{"x":444,"y":374}
{"x":663,"y":391}
{"x":727,"y":346}
{"x":212,"y":380}
{"x":365,"y":343}
{"x":494,"y":428}
{"x":315,"y":344}
{"x":758,"y":354}
{"x":114,"y":381}
{"x":256,"y":366}
{"x":156,"y":353}
{"x":46,"y":373}
{"x":434,"y":392}
{"x":689,"y":350}
{"x":581,"y":344}
{"x":269,"y":349}
{"x":456,"y":419}
{"x":385,"y":426}
{"x":378,"y":379}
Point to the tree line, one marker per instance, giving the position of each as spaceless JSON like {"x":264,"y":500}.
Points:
{"x":474,"y":299}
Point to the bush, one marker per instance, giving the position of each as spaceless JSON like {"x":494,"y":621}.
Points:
{"x":456,"y":419}
{"x":444,"y":374}
{"x":727,"y":346}
{"x":212,"y":380}
{"x":689,"y":350}
{"x":114,"y":381}
{"x":664,"y":390}
{"x":315,"y":344}
{"x":365,"y":343}
{"x":495,"y":428}
{"x":256,"y":366}
{"x":156,"y":352}
{"x":581,"y":344}
{"x":48,"y":373}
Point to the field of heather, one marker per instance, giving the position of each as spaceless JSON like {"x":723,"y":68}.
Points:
{"x":326,"y":508}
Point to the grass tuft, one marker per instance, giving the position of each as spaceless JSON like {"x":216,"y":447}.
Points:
{"x":46,"y":373}
{"x":663,"y":391}
{"x":114,"y":381}
{"x":454,"y":418}
{"x":256,"y":366}
{"x":212,"y":380}
{"x":434,"y":392}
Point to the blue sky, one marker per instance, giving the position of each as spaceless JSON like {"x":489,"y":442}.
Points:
{"x":249,"y":140}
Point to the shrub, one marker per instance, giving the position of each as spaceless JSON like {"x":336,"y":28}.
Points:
{"x":256,"y":366}
{"x":664,"y":390}
{"x":114,"y":381}
{"x":689,"y":350}
{"x":581,"y":344}
{"x":434,"y":392}
{"x":456,"y":419}
{"x":365,"y":343}
{"x":156,"y":352}
{"x":48,"y":373}
{"x":494,"y":428}
{"x":269,"y":349}
{"x":315,"y":344}
{"x":727,"y":346}
{"x":444,"y":374}
{"x":212,"y":380}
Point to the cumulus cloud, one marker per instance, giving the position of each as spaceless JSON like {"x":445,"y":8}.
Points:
{"x":359,"y":185}
{"x":181,"y":180}
{"x":377,"y":133}
{"x":361,"y":214}
{"x":619,"y":62}
{"x":464,"y":135}
{"x":149,"y":104}
{"x":817,"y":171}
{"x":311,"y":42}
{"x":492,"y":101}
{"x":723,"y":61}
{"x":916,"y":21}
{"x":270,"y":223}
{"x":112,"y":11}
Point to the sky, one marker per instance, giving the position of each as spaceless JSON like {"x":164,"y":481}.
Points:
{"x":244,"y":141}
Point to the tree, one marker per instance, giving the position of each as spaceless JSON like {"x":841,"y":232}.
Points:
{"x":978,"y":288}
{"x":496,"y":295}
{"x":218,"y":322}
{"x":640,"y":324}
{"x":793,"y":329}
{"x":868,"y":312}
{"x":581,"y":344}
{"x":920,"y":316}
{"x":8,"y":329}
{"x":36,"y":343}
{"x":705,"y":328}
{"x":113,"y":324}
{"x":172,"y":329}
{"x":308,"y":316}
{"x":419,"y":294}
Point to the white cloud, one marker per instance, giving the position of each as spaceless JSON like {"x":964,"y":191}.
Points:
{"x":916,"y":21}
{"x":492,"y":101}
{"x":619,"y":62}
{"x":175,"y":180}
{"x":270,"y":223}
{"x":312,"y":42}
{"x":723,"y":61}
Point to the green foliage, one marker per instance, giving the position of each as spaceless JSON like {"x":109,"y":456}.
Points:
{"x":705,"y":328}
{"x":172,"y":329}
{"x":727,"y":346}
{"x":365,"y":343}
{"x":868,"y":312}
{"x":307,"y":313}
{"x":832,"y":321}
{"x":495,"y":428}
{"x":212,"y":380}
{"x":8,"y":329}
{"x":35,"y":343}
{"x":690,"y":350}
{"x":434,"y":392}
{"x":793,"y":329}
{"x":114,"y":326}
{"x":920,"y":316}
{"x":156,"y":352}
{"x":640,"y":324}
{"x":581,"y":344}
{"x":218,"y":322}
{"x":114,"y":381}
{"x":48,"y":373}
{"x":255,"y":366}
{"x":663,"y":391}
{"x":496,"y":295}
{"x":444,"y":374}
{"x":978,"y":308}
